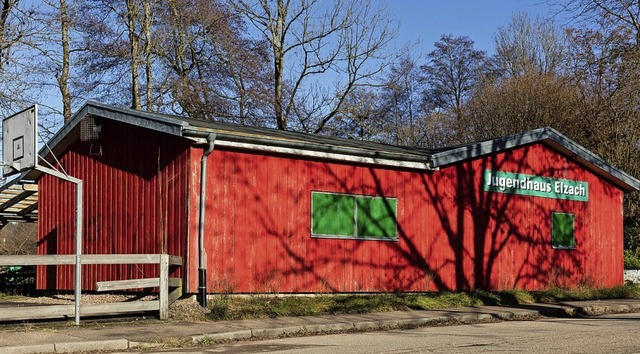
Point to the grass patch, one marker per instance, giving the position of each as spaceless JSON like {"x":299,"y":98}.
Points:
{"x":235,"y":308}
{"x":8,"y":296}
{"x":227,"y":307}
{"x":586,"y":293}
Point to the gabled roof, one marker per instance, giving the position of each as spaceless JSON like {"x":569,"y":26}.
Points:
{"x":549,"y":137}
{"x":240,"y":136}
{"x":319,"y":146}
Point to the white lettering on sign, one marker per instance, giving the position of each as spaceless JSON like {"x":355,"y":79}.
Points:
{"x":547,"y":187}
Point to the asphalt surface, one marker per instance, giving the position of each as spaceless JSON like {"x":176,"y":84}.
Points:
{"x":607,"y":334}
{"x":110,"y":336}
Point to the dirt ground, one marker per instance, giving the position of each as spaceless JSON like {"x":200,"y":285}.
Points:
{"x":182,"y":310}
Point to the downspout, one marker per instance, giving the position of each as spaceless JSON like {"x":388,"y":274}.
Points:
{"x":202,"y":265}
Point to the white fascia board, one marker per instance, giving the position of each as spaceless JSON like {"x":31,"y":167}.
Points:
{"x":320,"y":154}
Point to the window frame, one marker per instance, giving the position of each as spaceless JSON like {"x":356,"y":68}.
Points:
{"x":356,"y":227}
{"x":572,"y":245}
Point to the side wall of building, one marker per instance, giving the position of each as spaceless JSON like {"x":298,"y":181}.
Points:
{"x":452,"y":235}
{"x":135,"y":201}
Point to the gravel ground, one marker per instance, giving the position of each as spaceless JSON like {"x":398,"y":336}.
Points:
{"x":181,"y":310}
{"x":187,"y":310}
{"x":61,"y":299}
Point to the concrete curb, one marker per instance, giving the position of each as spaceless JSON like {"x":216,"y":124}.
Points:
{"x":276,"y":332}
{"x":600,"y":309}
{"x":235,"y":335}
{"x":28,"y":349}
{"x":69,"y":347}
{"x":111,"y":344}
{"x":359,"y":326}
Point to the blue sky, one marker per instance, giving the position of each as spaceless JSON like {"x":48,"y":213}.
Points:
{"x":427,"y":20}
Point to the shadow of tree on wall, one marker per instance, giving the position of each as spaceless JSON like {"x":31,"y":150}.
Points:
{"x":134,"y":184}
{"x":50,"y":240}
{"x":470,"y":238}
{"x":501,"y":240}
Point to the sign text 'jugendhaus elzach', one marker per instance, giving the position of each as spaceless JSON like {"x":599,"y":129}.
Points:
{"x":537,"y":186}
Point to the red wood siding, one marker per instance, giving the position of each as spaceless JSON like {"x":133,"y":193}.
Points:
{"x":135,"y":201}
{"x":452,"y":234}
{"x":142,"y":196}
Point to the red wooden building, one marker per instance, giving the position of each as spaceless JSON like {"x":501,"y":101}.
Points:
{"x":286,"y":212}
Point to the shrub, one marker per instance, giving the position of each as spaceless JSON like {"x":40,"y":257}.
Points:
{"x":631,"y":260}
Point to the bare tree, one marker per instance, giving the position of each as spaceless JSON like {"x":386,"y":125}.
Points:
{"x":605,"y":63}
{"x":529,"y":45}
{"x":246,"y":64}
{"x":607,"y":14}
{"x":210,"y":70}
{"x":132,"y":21}
{"x":147,"y":23}
{"x":342,"y":41}
{"x":361,"y":118}
{"x":63,"y":77}
{"x":513,"y":105}
{"x":401,"y":98}
{"x":112,"y":32}
{"x":9,"y":35}
{"x":455,"y":69}
{"x":15,"y":33}
{"x":51,"y":47}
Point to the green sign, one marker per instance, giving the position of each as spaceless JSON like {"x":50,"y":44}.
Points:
{"x":536,"y":186}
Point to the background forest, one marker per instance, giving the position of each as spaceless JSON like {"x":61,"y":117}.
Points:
{"x":329,"y":67}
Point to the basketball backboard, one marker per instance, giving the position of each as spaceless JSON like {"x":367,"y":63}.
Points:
{"x":19,"y":143}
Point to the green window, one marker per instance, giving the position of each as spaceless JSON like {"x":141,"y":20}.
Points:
{"x":332,"y":214}
{"x":562,"y":230}
{"x":353,"y":216}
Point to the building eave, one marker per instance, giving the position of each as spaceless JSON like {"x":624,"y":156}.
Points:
{"x":549,"y":137}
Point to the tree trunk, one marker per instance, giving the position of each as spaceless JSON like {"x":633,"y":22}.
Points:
{"x":133,"y":39}
{"x":278,"y":61}
{"x":63,"y":76}
{"x":147,"y":53}
{"x":7,"y":5}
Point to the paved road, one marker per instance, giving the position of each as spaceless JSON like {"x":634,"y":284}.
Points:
{"x":604,"y":334}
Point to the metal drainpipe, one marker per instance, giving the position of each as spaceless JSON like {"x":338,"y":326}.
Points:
{"x":202,"y":265}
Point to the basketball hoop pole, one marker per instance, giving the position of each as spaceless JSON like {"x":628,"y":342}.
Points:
{"x":19,"y":153}
{"x":78,"y":270}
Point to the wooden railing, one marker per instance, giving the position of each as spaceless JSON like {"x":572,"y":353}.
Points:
{"x":164,"y":283}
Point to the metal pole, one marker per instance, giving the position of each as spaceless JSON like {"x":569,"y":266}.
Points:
{"x":77,"y":292}
{"x":202,"y":264}
{"x":78,"y":281}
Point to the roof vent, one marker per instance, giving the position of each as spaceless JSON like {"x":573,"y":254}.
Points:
{"x":89,"y":129}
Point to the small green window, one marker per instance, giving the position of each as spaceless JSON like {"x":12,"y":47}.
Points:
{"x":562,"y":230}
{"x":376,"y":217}
{"x":332,"y":214}
{"x":353,"y":216}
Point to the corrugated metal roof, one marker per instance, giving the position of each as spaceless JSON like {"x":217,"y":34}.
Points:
{"x":19,"y":201}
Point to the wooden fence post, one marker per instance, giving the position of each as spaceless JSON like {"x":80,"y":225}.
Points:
{"x":164,"y":287}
